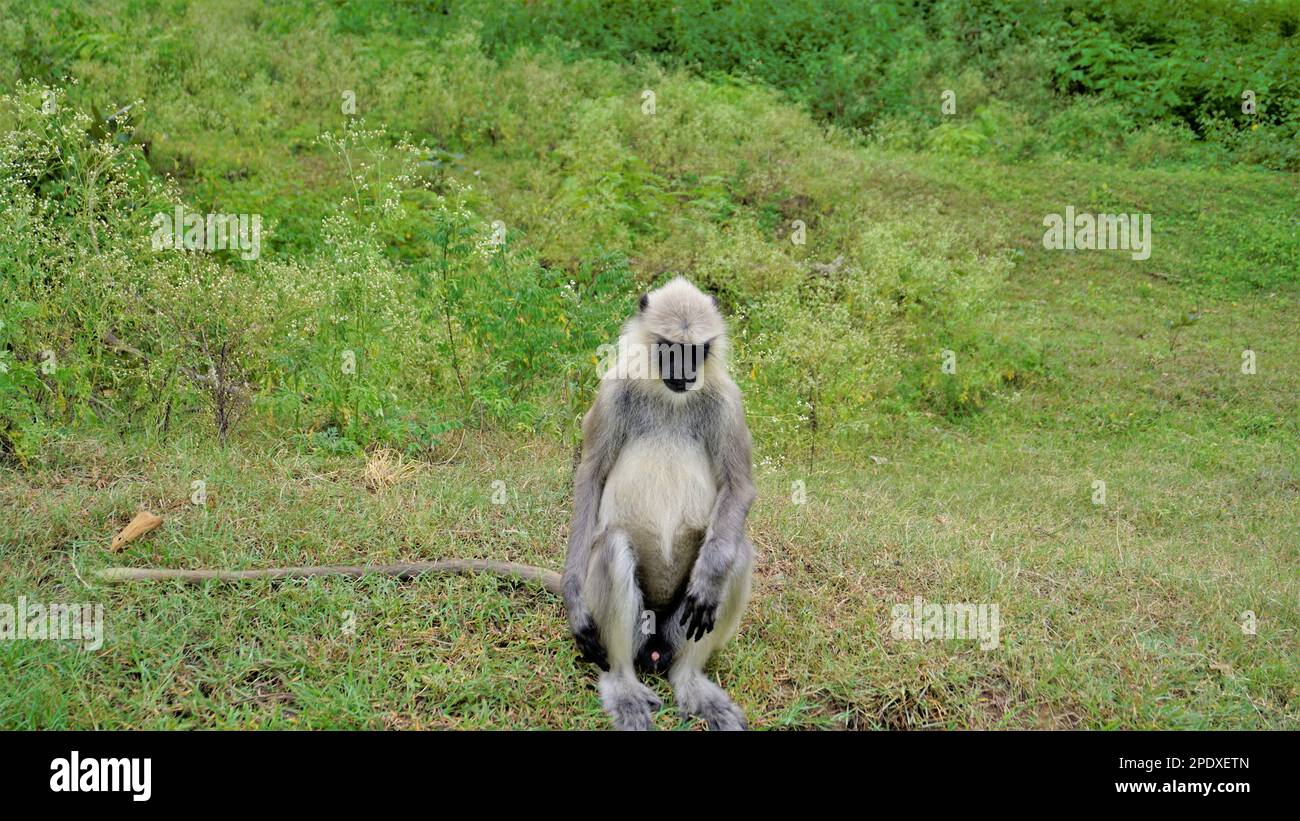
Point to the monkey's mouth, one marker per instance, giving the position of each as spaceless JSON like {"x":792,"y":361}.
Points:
{"x":679,"y":385}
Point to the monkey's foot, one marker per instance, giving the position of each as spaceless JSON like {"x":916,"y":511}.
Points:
{"x":700,"y":698}
{"x":629,"y":702}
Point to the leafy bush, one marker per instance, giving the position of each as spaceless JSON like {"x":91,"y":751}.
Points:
{"x":863,"y":65}
{"x":406,"y":323}
{"x":384,"y":310}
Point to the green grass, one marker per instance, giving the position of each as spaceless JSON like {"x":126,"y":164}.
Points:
{"x":1073,"y":368}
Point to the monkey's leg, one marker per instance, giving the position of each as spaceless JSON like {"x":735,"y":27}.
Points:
{"x":696,"y":695}
{"x":612,"y":594}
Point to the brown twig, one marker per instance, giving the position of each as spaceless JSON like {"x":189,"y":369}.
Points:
{"x":548,"y":579}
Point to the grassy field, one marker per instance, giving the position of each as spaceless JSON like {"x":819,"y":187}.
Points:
{"x":1073,"y":368}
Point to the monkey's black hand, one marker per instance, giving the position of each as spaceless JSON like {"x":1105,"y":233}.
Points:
{"x":589,"y":647}
{"x":698,"y":613}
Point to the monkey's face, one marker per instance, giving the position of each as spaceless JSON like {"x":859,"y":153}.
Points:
{"x":680,"y":365}
{"x":684,"y":335}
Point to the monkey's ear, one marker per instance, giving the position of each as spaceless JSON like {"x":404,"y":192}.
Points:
{"x":716,"y":304}
{"x":645,"y":300}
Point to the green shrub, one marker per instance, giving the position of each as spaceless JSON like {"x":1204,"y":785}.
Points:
{"x":866,"y":65}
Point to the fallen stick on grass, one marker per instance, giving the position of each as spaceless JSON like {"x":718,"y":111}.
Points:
{"x":548,"y":579}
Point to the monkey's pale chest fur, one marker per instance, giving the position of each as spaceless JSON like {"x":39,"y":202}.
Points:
{"x":661,"y":491}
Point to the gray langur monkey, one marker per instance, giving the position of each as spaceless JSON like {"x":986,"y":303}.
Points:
{"x":658,"y":568}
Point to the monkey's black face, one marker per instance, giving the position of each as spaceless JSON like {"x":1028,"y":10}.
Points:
{"x":680,"y":363}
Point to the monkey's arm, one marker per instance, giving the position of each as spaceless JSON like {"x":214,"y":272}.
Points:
{"x":598,"y":450}
{"x":725,"y":539}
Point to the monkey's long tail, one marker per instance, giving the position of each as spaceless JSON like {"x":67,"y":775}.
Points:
{"x":548,"y":579}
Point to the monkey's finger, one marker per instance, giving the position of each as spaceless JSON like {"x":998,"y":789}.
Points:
{"x":596,"y":655}
{"x":590,"y":649}
{"x":706,"y":624}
